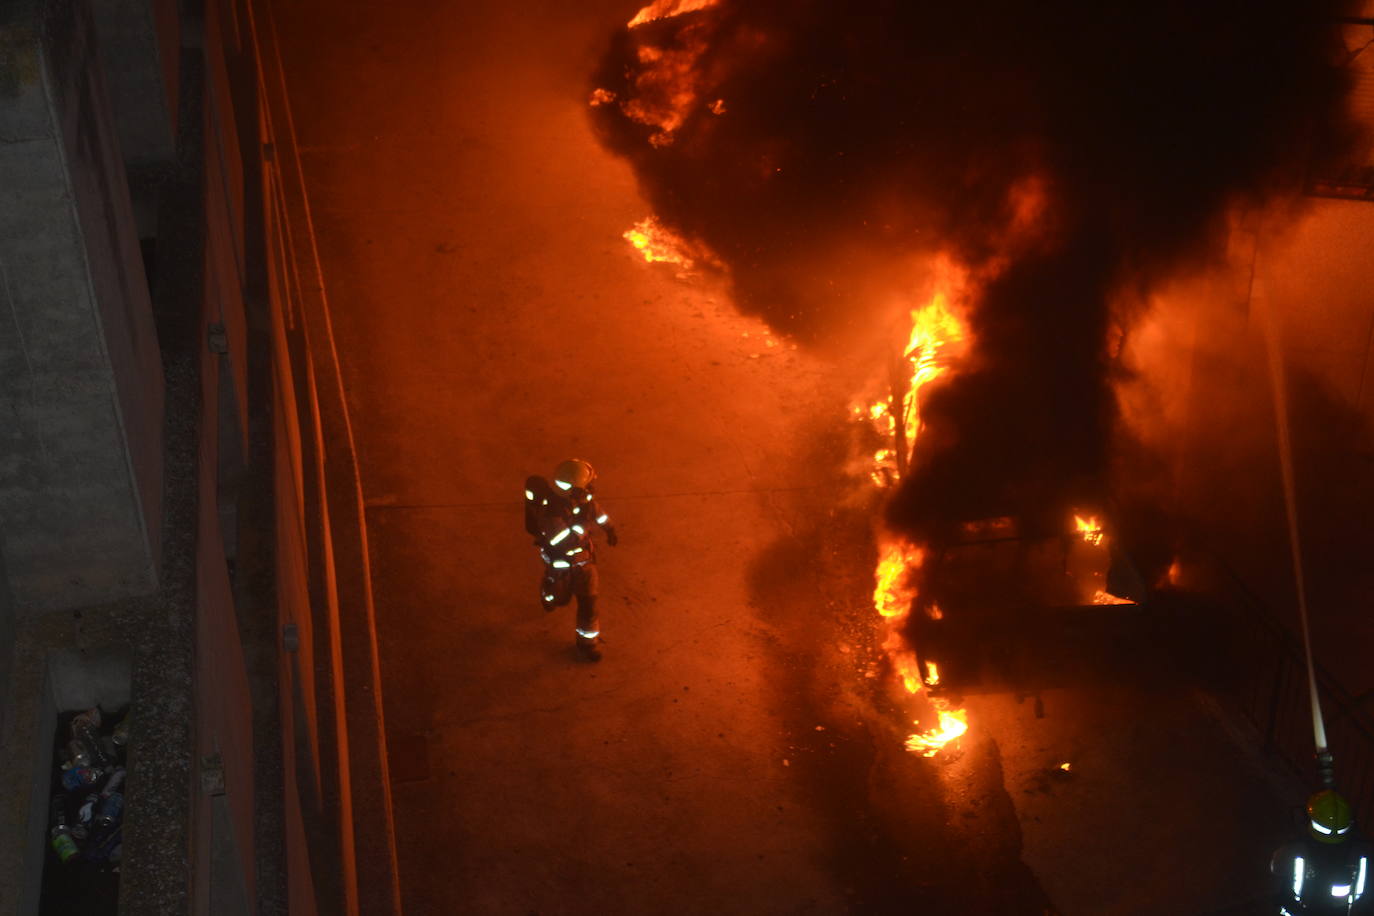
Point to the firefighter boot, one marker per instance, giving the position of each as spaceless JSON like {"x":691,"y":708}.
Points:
{"x":588,"y":629}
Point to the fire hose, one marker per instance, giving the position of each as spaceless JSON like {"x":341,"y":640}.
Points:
{"x":1277,"y":381}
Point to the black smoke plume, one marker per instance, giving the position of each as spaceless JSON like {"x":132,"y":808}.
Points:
{"x":1072,"y":153}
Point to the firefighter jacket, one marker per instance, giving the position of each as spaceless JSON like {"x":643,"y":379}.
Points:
{"x":564,"y":542}
{"x":1323,"y":877}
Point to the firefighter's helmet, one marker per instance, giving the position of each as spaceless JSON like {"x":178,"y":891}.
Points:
{"x":574,"y":474}
{"x":1329,"y":817}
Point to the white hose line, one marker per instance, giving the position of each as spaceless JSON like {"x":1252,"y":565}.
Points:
{"x":1278,"y":382}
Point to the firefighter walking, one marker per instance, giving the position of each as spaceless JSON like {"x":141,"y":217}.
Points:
{"x":561,"y":517}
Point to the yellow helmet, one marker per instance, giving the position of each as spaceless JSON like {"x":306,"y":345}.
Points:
{"x":574,"y":473}
{"x":1329,"y":817}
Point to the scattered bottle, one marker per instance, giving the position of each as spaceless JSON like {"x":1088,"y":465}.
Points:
{"x":121,"y":732}
{"x":87,"y":718}
{"x":78,"y":778}
{"x":109,"y":811}
{"x":77,"y":754}
{"x":116,"y":782}
{"x":85,"y":728}
{"x":87,"y":817}
{"x":62,"y":842}
{"x":84,"y":815}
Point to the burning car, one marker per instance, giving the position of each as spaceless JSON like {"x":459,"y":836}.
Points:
{"x":1002,"y":602}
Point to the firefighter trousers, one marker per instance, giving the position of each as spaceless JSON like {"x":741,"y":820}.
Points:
{"x":588,"y":626}
{"x":585,"y":585}
{"x":559,"y":587}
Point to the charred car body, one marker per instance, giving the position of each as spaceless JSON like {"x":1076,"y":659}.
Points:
{"x":1006,"y":605}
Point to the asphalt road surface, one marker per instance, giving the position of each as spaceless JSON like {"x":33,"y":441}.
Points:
{"x":738,"y":750}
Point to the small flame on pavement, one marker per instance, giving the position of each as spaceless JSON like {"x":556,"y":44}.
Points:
{"x":656,"y":243}
{"x":953,"y":724}
{"x":1066,"y":766}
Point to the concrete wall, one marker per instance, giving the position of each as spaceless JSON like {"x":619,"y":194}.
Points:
{"x":225,"y":699}
{"x":140,"y":44}
{"x":39,"y":771}
{"x":7,"y":641}
{"x":82,"y":678}
{"x":82,"y":438}
{"x":80,"y":371}
{"x":224,"y":704}
{"x":331,"y":688}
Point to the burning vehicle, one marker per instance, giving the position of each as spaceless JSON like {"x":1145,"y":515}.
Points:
{"x":1018,"y":179}
{"x":992,"y":590}
{"x":1003,"y":604}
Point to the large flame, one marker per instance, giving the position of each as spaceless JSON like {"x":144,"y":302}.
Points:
{"x":936,"y":342}
{"x":937,"y":339}
{"x":893,"y":599}
{"x":894,"y":591}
